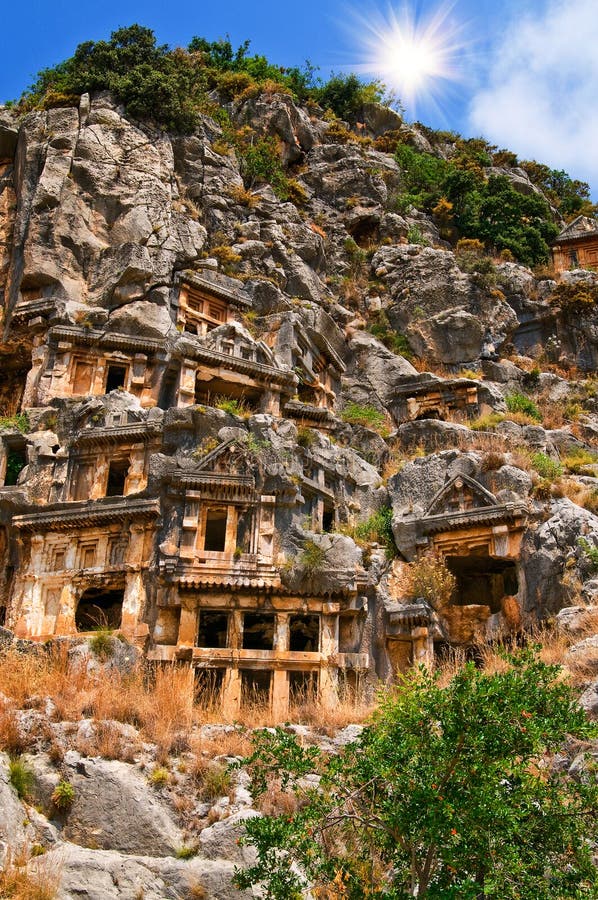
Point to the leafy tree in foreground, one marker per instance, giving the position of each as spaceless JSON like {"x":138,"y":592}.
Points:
{"x":449,"y":793}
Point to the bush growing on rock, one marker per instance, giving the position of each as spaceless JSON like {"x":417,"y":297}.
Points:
{"x":63,"y":795}
{"x":21,"y":777}
{"x":519,"y":403}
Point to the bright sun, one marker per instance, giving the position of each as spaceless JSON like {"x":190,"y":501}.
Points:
{"x":415,"y":56}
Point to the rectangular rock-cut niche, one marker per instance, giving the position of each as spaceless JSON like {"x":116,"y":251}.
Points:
{"x":483,"y":580}
{"x":15,"y":460}
{"x":349,"y":634}
{"x":215,"y":530}
{"x":116,"y":376}
{"x":258,"y":631}
{"x":99,"y":608}
{"x":118,"y":470}
{"x":255,"y":687}
{"x":83,"y":373}
{"x":304,"y":633}
{"x":303,"y":687}
{"x":213,"y":629}
{"x":207,"y":689}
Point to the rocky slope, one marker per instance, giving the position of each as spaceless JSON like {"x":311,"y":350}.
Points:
{"x":409,"y":397}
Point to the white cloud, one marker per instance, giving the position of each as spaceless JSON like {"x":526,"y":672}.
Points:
{"x":540,"y":98}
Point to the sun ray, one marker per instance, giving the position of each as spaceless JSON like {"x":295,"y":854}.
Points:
{"x":417,"y":56}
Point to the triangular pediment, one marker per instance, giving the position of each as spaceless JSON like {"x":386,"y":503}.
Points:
{"x":580,"y":227}
{"x":460,"y":494}
{"x":229,"y":458}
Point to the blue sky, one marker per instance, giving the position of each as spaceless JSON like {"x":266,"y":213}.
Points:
{"x":528,"y":70}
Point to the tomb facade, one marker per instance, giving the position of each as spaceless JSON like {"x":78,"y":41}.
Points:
{"x":576,"y":247}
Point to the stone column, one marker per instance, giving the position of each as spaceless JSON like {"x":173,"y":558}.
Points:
{"x":230,"y":540}
{"x":188,"y":627}
{"x":423,"y":646}
{"x":65,"y":620}
{"x":280,"y":694}
{"x":280,"y":677}
{"x":186,"y":390}
{"x":134,"y":593}
{"x":329,"y":667}
{"x":231,"y":692}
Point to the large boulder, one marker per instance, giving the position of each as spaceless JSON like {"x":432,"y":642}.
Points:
{"x":114,"y":807}
{"x":553,"y":561}
{"x":86,"y":874}
{"x":446,"y":314}
{"x":373,"y":372}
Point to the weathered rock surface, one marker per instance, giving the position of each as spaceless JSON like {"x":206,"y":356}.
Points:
{"x":552,"y":551}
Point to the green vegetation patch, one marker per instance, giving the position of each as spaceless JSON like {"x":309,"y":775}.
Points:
{"x":367,"y":416}
{"x":520,"y":403}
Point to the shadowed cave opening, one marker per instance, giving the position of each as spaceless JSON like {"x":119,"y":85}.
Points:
{"x":258,"y":631}
{"x":213,"y":629}
{"x":304,"y":633}
{"x":303,"y":687}
{"x":99,"y":608}
{"x":255,"y":687}
{"x":115,"y":378}
{"x":483,"y":580}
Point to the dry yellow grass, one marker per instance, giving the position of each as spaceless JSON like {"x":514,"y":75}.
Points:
{"x":24,"y":878}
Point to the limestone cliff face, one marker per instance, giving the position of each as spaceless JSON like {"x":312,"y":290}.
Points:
{"x":222,"y":421}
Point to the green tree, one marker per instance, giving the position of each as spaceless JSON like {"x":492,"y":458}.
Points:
{"x":449,"y":793}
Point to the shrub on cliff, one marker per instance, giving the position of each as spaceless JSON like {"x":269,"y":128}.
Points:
{"x":448,"y":793}
{"x":489,"y":210}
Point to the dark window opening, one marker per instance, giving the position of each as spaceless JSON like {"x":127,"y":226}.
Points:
{"x":213,"y":629}
{"x":307,"y":394}
{"x":303,"y":687}
{"x":117,"y":476}
{"x":304,"y":633}
{"x":115,"y":378}
{"x":215,"y":536}
{"x":191,"y":327}
{"x":208,"y":687}
{"x":365,"y":233}
{"x":328,"y":518}
{"x":99,"y":608}
{"x":2,"y":616}
{"x":16,"y":460}
{"x":258,"y":631}
{"x":483,"y":580}
{"x":168,"y":390}
{"x":255,"y":687}
{"x":433,"y":413}
{"x":573,"y":258}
